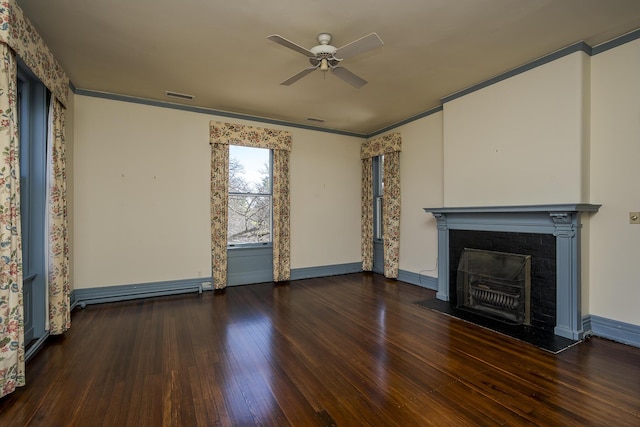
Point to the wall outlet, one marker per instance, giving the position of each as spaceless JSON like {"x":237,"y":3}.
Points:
{"x":634,"y":217}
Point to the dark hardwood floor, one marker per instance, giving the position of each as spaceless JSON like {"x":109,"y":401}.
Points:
{"x":347,"y":351}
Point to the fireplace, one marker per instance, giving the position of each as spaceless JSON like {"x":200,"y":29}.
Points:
{"x":549,"y":234}
{"x":495,"y":284}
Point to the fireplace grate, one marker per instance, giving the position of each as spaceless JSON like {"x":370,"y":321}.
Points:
{"x":495,"y":284}
{"x":483,"y":294}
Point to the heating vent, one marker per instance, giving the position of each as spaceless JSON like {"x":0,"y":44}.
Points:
{"x":315,"y":119}
{"x":178,"y":95}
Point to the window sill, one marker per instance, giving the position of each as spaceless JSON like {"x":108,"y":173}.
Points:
{"x":250,"y":246}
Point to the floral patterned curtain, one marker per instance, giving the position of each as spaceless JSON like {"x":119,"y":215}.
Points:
{"x":390,"y":146}
{"x":59,"y":287}
{"x":219,"y":213}
{"x":220,"y":136}
{"x":11,"y":312}
{"x":281,"y":219}
{"x":391,"y":214}
{"x":19,"y":37}
{"x":367,"y":214}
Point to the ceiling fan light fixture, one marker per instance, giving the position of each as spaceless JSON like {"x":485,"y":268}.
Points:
{"x":324,"y":65}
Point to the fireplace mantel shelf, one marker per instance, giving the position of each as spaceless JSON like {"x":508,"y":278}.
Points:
{"x":565,"y":207}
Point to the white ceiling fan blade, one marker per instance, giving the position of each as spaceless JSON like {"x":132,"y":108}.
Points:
{"x":364,"y":44}
{"x":349,"y":77}
{"x":298,"y":76}
{"x":291,"y":45}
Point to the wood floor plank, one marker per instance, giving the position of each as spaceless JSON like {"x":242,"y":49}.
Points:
{"x":336,"y":351}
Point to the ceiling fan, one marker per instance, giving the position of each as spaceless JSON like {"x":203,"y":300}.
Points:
{"x":326,"y":57}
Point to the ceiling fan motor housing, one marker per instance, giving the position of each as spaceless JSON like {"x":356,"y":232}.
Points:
{"x":324,"y":51}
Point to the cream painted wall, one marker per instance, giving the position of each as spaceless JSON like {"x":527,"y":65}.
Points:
{"x":520,"y":141}
{"x":141,"y":204}
{"x":141,"y":195}
{"x":325,"y":199}
{"x":615,"y":161}
{"x":421,"y":187}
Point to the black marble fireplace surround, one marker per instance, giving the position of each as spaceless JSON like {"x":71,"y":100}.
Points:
{"x":550,"y":233}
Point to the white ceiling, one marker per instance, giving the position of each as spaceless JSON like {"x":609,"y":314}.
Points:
{"x":219,"y":52}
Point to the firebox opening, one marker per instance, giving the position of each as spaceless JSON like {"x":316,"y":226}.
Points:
{"x":495,"y":284}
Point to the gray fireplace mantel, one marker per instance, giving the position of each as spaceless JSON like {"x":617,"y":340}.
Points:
{"x":561,"y":220}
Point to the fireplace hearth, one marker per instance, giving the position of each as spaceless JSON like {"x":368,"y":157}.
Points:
{"x":549,"y":234}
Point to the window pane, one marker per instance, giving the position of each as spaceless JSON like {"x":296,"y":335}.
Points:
{"x":378,"y":194}
{"x":381,"y":174}
{"x":378,"y":220}
{"x":249,"y":170}
{"x":249,"y":219}
{"x":249,"y":195}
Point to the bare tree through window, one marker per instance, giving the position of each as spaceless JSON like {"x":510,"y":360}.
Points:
{"x":250,"y":195}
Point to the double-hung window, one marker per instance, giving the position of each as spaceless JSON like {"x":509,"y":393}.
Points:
{"x":250,"y":196}
{"x":32,"y":112}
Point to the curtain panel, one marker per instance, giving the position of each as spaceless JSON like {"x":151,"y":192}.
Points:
{"x":391,"y":214}
{"x":367,"y":214}
{"x":221,"y":135}
{"x":11,"y":311}
{"x":58,"y":260}
{"x":219,"y":212}
{"x":281,"y":217}
{"x":18,"y":38}
{"x":390,"y":146}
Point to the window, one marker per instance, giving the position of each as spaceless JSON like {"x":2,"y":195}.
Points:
{"x":378,"y":193}
{"x":250,"y":196}
{"x":32,"y":104}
